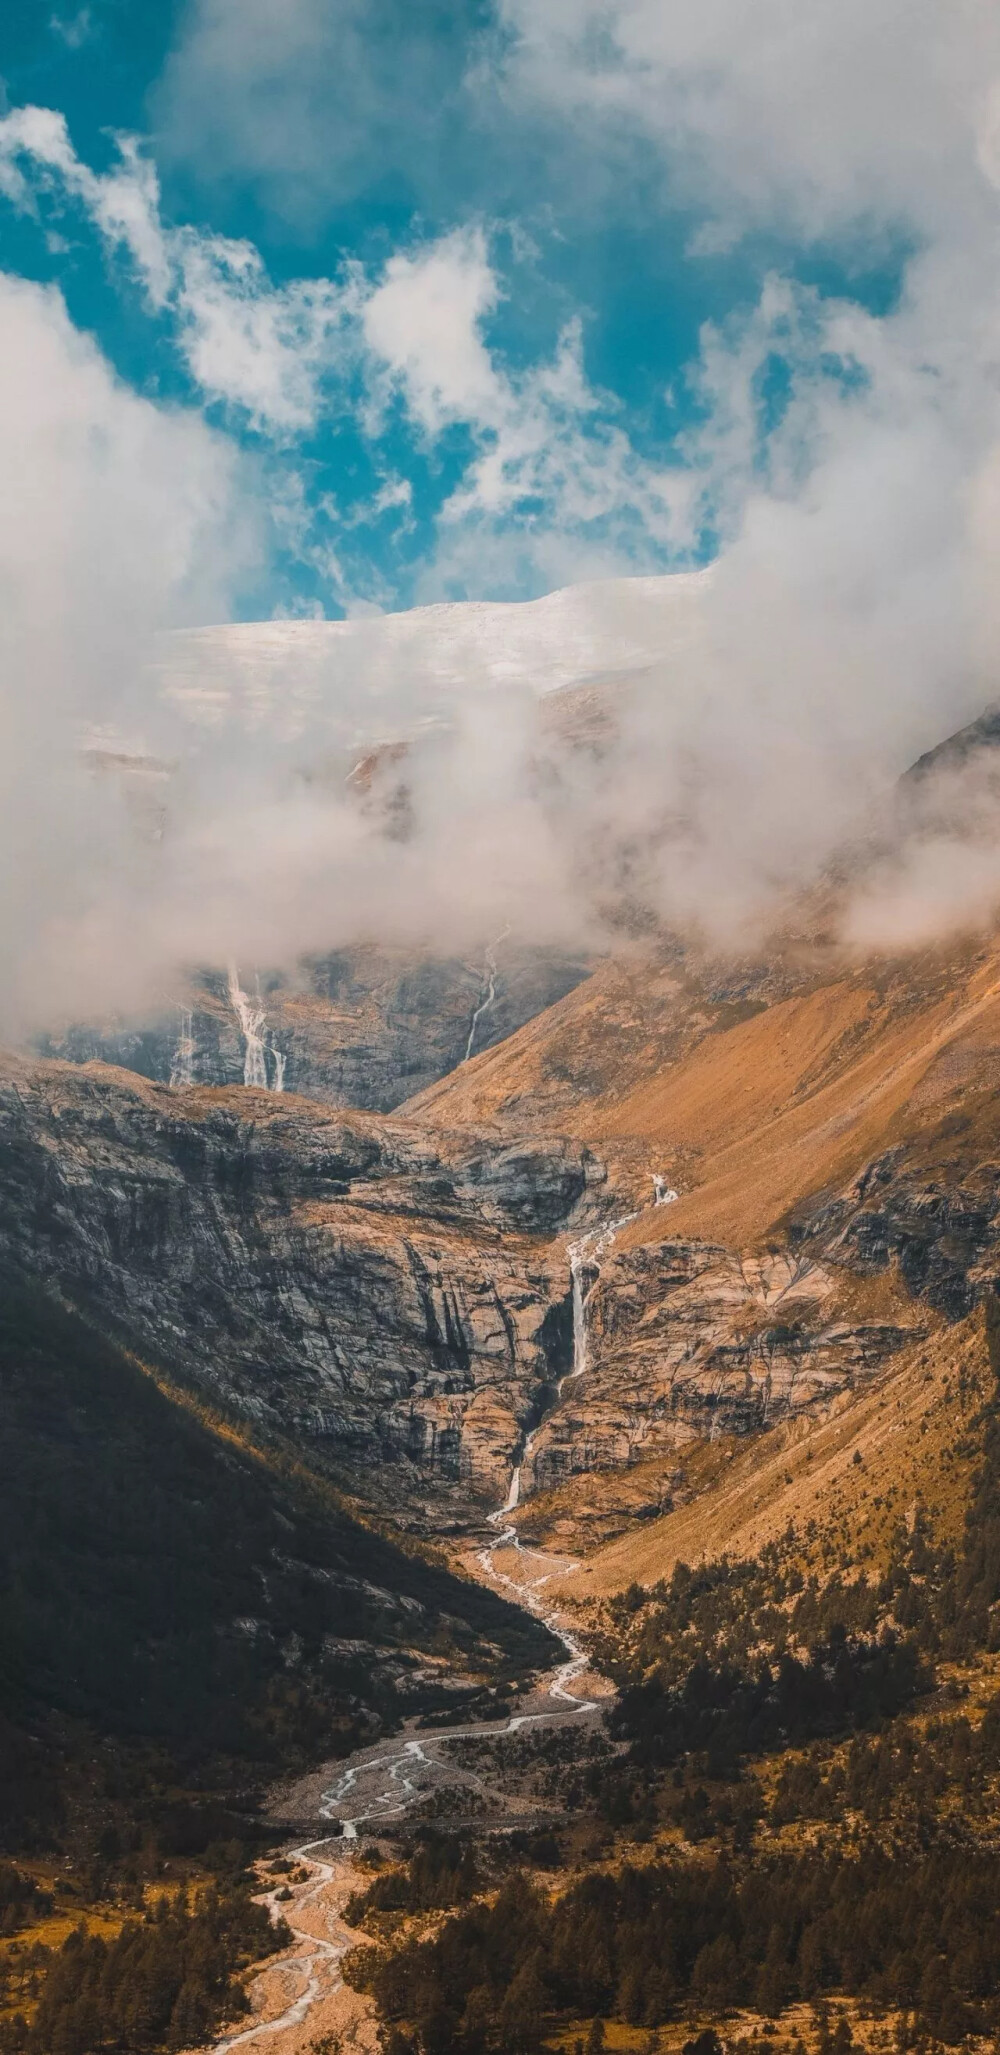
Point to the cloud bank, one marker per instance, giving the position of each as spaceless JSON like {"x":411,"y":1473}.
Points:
{"x":837,"y":453}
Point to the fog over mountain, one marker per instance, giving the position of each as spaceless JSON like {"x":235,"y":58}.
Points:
{"x":500,"y":1027}
{"x":781,"y":605}
{"x":619,"y":748}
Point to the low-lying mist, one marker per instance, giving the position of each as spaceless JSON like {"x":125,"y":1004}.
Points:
{"x":420,"y":780}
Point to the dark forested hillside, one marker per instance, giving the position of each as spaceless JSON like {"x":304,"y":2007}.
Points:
{"x":800,"y":1806}
{"x":166,"y":1590}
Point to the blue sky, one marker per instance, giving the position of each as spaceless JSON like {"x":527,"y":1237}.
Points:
{"x":338,"y":307}
{"x":577,"y":254}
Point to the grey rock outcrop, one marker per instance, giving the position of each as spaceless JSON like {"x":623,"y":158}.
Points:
{"x":343,"y":1279}
{"x":362,"y":1027}
{"x":395,"y":1294}
{"x":942,"y":1233}
{"x":687,"y":1340}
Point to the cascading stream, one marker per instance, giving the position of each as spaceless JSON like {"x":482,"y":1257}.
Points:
{"x":489,"y":991}
{"x":584,"y":1255}
{"x":385,"y":1784}
{"x":396,"y":1771}
{"x":182,"y":1063}
{"x":252,"y":1020}
{"x":323,"y":1955}
{"x":253,"y":1027}
{"x":401,"y":1775}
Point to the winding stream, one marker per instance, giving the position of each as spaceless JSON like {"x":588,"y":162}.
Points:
{"x":488,"y":992}
{"x":384,"y":1782}
{"x":324,"y":1955}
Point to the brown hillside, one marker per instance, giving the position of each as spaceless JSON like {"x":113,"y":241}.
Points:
{"x":748,"y":1115}
{"x":842,"y":1482}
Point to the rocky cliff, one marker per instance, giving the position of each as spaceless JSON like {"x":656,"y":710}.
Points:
{"x":398,"y":1297}
{"x":687,"y":1340}
{"x":365,"y":1027}
{"x":397,"y":1287}
{"x":831,"y":1130}
{"x":346,"y":1280}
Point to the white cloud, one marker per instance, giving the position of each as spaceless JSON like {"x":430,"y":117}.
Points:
{"x":848,"y":462}
{"x":423,"y":323}
{"x":552,"y":470}
{"x":248,"y":344}
{"x":393,"y":493}
{"x":74,"y":30}
{"x":796,"y":114}
{"x":314,"y":100}
{"x":117,"y":519}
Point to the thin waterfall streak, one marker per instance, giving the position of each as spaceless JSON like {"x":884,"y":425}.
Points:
{"x":576,"y":1255}
{"x":279,"y":1059}
{"x":485,"y":1006}
{"x":586,"y":1255}
{"x":252,"y":1020}
{"x":182,"y":1063}
{"x":583,"y":1255}
{"x":489,"y":996}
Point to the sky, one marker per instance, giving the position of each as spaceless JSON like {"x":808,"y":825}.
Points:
{"x":330,"y":308}
{"x":452,"y":278}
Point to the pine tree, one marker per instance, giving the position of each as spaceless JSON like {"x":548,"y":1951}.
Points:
{"x":596,"y":2041}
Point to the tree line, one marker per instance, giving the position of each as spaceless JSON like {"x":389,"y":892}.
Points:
{"x":895,"y":1898}
{"x":166,"y":1981}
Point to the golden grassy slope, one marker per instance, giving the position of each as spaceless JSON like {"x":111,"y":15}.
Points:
{"x":798,"y":1099}
{"x":842,"y":1482}
{"x":751,"y":1116}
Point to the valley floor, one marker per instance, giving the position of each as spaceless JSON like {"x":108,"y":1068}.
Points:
{"x":823,"y":1507}
{"x":300,"y":1998}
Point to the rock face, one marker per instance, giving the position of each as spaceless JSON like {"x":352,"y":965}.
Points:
{"x":346,"y":1280}
{"x":361,"y":1027}
{"x":687,"y":1340}
{"x":944,"y":1236}
{"x":397,"y":1287}
{"x":389,"y":1295}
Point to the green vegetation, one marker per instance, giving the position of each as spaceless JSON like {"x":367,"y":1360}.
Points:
{"x":644,"y":1943}
{"x":821,"y":1830}
{"x":441,"y":1872}
{"x":21,"y":1899}
{"x":165,"y":1981}
{"x":178,"y":1613}
{"x":181,"y":1616}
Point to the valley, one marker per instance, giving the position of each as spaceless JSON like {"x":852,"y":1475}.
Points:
{"x":410,"y":1286}
{"x":456,"y":1808}
{"x":638,"y":1359}
{"x":499,"y":1028}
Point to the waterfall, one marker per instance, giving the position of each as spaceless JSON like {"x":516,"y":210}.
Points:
{"x":252,"y":1020}
{"x":576,"y":1254}
{"x":579,"y":1252}
{"x":182,"y":1062}
{"x":279,"y":1061}
{"x":586,"y":1254}
{"x":488,"y":990}
{"x":583,"y":1255}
